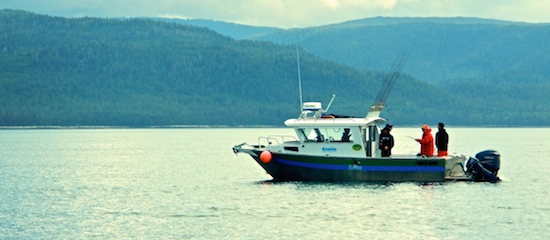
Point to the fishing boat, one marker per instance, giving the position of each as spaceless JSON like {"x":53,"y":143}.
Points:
{"x":333,"y":148}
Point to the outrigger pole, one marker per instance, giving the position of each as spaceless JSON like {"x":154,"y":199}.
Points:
{"x":389,"y":82}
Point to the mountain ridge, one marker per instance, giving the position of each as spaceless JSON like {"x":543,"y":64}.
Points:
{"x":142,"y":72}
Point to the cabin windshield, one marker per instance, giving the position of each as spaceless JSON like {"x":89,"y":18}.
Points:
{"x":325,"y":134}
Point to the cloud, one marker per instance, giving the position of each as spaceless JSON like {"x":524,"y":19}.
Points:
{"x":527,"y":11}
{"x":292,"y":13}
{"x":331,"y":4}
{"x":289,"y":13}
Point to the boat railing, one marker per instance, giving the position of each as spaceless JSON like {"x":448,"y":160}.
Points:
{"x":275,"y":140}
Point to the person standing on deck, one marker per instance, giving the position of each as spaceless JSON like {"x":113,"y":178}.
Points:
{"x":426,"y":142}
{"x":386,"y":141}
{"x":441,"y":140}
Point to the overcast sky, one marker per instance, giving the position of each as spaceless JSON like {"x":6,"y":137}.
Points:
{"x":289,"y":13}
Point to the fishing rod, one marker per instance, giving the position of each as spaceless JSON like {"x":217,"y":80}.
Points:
{"x":411,"y":137}
{"x":391,"y":79}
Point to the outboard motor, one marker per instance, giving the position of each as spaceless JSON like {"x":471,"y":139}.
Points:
{"x":485,"y":166}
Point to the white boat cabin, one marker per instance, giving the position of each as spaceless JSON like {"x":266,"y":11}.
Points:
{"x":329,"y":136}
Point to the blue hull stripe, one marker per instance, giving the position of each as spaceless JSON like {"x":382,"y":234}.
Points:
{"x":362,"y":168}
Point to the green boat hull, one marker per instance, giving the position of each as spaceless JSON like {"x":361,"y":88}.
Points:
{"x":287,"y":167}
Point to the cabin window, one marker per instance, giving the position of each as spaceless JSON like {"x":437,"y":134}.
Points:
{"x":306,"y":134}
{"x":325,"y":134}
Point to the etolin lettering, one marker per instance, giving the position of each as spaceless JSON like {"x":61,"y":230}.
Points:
{"x":329,"y":149}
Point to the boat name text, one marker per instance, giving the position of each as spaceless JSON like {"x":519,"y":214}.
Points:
{"x":329,"y":149}
{"x":354,"y":167}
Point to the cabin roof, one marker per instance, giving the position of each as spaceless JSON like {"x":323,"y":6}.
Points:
{"x":333,"y":122}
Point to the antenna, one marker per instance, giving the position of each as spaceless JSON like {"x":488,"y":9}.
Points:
{"x":299,"y":77}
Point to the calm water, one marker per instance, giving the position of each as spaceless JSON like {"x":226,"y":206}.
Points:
{"x":188,"y":184}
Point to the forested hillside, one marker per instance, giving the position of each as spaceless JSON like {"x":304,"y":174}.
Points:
{"x":89,"y":71}
{"x":444,"y":48}
{"x":138,"y":72}
{"x":502,"y":66}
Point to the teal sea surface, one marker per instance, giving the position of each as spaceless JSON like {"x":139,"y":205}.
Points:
{"x":186,"y":183}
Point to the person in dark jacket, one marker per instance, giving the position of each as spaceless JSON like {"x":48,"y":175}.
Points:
{"x":441,"y":140}
{"x":346,"y":135}
{"x":386,"y":141}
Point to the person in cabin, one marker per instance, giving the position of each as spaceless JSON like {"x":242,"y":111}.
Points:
{"x":346,"y":135}
{"x":386,"y":141}
{"x":441,"y":140}
{"x":426,"y":142}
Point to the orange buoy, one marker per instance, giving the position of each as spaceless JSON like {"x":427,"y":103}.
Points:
{"x":265,"y":156}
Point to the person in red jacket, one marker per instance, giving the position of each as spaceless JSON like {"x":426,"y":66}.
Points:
{"x":426,"y":142}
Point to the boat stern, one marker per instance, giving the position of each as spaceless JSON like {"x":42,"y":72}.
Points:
{"x":481,"y":168}
{"x":454,"y":168}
